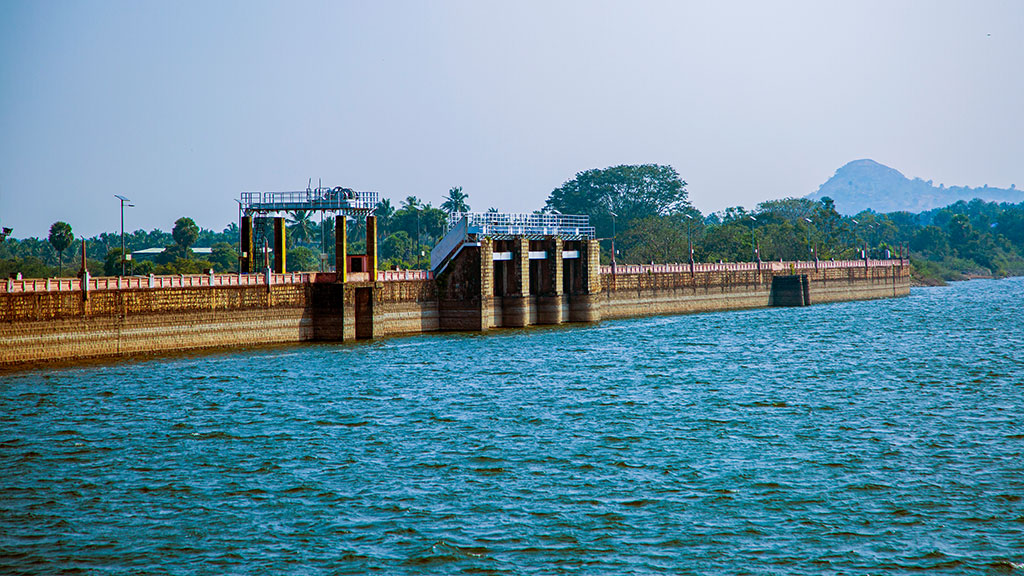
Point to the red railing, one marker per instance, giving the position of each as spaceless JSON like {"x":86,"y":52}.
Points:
{"x":13,"y":286}
{"x":397,"y":275}
{"x":766,"y":266}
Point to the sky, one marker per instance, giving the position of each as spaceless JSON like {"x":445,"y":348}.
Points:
{"x":181,"y":106}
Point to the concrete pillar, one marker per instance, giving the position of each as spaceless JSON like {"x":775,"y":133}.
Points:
{"x":340,"y":248}
{"x":487,"y":268}
{"x":246,"y":245}
{"x":486,"y":284}
{"x":550,"y":300}
{"x":371,"y":246}
{"x":516,"y":304}
{"x":280,"y":246}
{"x":586,"y":307}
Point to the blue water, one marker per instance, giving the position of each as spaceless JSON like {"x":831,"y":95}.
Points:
{"x":878,"y":437}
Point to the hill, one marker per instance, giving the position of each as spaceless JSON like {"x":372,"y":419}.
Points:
{"x":866,"y":184}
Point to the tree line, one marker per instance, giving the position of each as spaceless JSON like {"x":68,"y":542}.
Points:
{"x":644,"y":210}
{"x":406,"y":235}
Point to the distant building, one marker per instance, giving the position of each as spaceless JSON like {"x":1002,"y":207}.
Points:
{"x":150,"y":253}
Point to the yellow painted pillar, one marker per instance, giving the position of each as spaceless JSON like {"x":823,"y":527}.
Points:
{"x":341,"y":248}
{"x":371,"y":246}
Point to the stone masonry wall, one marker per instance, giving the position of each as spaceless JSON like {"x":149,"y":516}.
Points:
{"x":632,"y":295}
{"x":43,"y":326}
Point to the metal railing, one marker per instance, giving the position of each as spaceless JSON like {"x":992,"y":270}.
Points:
{"x":330,"y":199}
{"x":499,"y":224}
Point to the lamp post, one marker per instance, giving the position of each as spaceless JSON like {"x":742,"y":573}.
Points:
{"x":123,"y":200}
{"x":753,"y":241}
{"x":689,"y":241}
{"x":613,"y":239}
{"x":809,"y":247}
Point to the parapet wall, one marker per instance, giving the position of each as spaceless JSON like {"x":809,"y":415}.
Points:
{"x":56,"y":320}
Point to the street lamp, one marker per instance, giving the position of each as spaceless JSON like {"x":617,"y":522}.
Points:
{"x":689,"y":242}
{"x":809,"y":247}
{"x":613,"y":239}
{"x":753,"y":242}
{"x":123,"y":200}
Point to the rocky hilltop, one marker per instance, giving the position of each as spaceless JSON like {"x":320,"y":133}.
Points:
{"x":866,"y":184}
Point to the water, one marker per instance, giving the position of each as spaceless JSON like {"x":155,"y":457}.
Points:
{"x":871,"y":437}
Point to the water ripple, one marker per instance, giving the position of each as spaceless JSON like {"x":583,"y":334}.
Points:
{"x":871,"y":437}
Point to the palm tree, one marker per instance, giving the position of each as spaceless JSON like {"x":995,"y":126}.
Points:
{"x":455,"y":202}
{"x":411,"y":203}
{"x":60,"y":238}
{"x":384,"y":212}
{"x":300,"y":226}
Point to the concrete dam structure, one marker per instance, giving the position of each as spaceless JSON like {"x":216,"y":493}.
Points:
{"x":489,"y":272}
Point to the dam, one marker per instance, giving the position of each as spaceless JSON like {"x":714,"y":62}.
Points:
{"x":491,"y":271}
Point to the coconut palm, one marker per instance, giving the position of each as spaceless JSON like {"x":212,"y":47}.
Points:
{"x":300,"y":226}
{"x":384,"y":212}
{"x":411,"y":203}
{"x":455,"y":201}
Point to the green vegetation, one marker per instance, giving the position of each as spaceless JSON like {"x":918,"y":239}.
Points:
{"x":646,"y":207}
{"x":60,"y":238}
{"x":621,"y":194}
{"x":964,"y":240}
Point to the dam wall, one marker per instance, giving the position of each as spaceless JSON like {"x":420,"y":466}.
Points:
{"x":488,"y":286}
{"x":634,"y":291}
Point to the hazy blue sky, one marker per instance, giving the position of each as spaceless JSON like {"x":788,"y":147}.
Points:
{"x":182,"y":105}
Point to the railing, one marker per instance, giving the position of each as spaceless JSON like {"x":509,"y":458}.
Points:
{"x":498,"y":224}
{"x":398,"y":275}
{"x":13,"y":286}
{"x":155,"y":282}
{"x":339,"y":199}
{"x":765,"y":266}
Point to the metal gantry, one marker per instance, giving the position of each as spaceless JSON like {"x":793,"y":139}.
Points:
{"x":338,"y":199}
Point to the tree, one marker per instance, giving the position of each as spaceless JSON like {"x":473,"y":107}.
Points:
{"x":224,"y":257}
{"x":631,"y":192}
{"x":112,"y":262}
{"x":931,"y":239}
{"x":411,"y":203}
{"x":792,"y":209}
{"x":654,"y":239}
{"x":60,"y":238}
{"x":300,"y":226}
{"x":455,"y":201}
{"x":398,"y":249}
{"x":384,"y":212}
{"x":302,"y":259}
{"x":185,"y":232}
